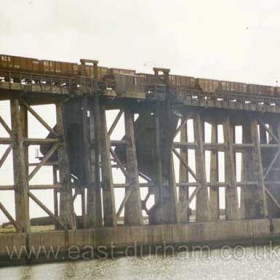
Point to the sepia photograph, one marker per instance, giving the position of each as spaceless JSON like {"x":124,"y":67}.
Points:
{"x":139,"y":139}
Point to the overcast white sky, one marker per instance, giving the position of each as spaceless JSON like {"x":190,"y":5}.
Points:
{"x":223,"y":39}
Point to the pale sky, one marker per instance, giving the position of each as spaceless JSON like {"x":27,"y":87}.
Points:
{"x":223,"y":39}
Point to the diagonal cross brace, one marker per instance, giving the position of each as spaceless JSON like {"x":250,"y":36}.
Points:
{"x":10,"y":218}
{"x":271,"y":164}
{"x":43,"y":161}
{"x":4,"y":124}
{"x":190,"y":200}
{"x":119,"y":163}
{"x":115,"y":122}
{"x":185,"y":164}
{"x":37,"y":116}
{"x":49,"y":212}
{"x":5,"y":155}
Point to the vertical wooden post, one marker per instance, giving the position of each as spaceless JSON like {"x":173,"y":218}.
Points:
{"x":94,"y":208}
{"x":133,"y":208}
{"x":261,"y":206}
{"x":214,"y":177}
{"x":183,"y":177}
{"x":232,"y":212}
{"x":253,"y":196}
{"x":202,"y":202}
{"x":66,"y":201}
{"x":19,"y":126}
{"x":110,"y":219}
{"x":247,"y":192}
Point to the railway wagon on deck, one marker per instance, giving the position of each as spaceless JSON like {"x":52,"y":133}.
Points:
{"x":25,"y":64}
{"x":18,"y":63}
{"x":57,"y":67}
{"x":119,"y":71}
{"x":260,"y":90}
{"x":182,"y":82}
{"x":277,"y":91}
{"x":227,"y":86}
{"x":207,"y":85}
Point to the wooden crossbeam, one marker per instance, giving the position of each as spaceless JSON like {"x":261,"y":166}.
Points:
{"x":5,"y":141}
{"x":40,"y":141}
{"x":119,"y":162}
{"x":4,"y":124}
{"x":221,"y":146}
{"x":185,"y":164}
{"x":44,"y":187}
{"x":10,"y":218}
{"x":38,"y":117}
{"x":43,"y":161}
{"x":115,"y":122}
{"x":49,"y":212}
{"x":143,"y":185}
{"x":222,"y":184}
{"x":118,"y":142}
{"x":126,"y":185}
{"x":5,"y":155}
{"x":180,"y":145}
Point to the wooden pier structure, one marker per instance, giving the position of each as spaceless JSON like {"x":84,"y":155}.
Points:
{"x":171,"y":123}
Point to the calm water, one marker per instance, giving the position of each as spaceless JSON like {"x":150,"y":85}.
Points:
{"x":250,"y":263}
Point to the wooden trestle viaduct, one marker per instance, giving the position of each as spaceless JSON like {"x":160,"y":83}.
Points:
{"x":83,"y":155}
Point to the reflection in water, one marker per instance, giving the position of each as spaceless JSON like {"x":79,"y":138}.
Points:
{"x":247,"y":263}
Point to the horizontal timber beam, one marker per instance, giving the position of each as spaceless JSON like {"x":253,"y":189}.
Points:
{"x":221,"y":146}
{"x":38,"y":141}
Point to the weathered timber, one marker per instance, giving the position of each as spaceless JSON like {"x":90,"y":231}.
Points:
{"x":92,"y":148}
{"x":20,"y":169}
{"x":231,"y":191}
{"x":133,"y":209}
{"x":214,"y":177}
{"x":66,"y":206}
{"x":183,"y":175}
{"x":110,"y":219}
{"x":202,"y":201}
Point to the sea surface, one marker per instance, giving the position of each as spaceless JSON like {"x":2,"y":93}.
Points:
{"x":238,"y":263}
